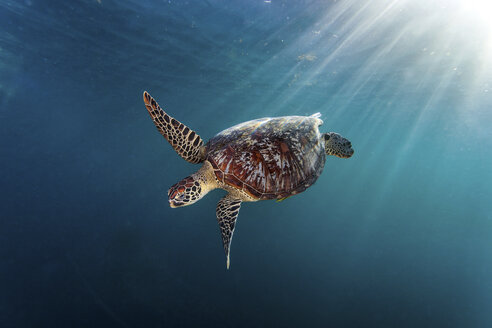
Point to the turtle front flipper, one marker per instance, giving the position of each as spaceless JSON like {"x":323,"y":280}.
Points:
{"x":186,"y":142}
{"x":227,"y":212}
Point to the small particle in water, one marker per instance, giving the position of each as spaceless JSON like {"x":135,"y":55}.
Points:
{"x":307,"y":57}
{"x":268,"y":1}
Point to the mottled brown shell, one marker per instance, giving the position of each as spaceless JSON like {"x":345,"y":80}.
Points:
{"x":269,"y":158}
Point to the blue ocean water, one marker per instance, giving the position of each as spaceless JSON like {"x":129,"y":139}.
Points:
{"x":399,"y":235}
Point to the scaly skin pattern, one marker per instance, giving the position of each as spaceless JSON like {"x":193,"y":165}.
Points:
{"x":270,"y":158}
{"x":227,"y":211}
{"x":186,"y":142}
{"x":185,"y":191}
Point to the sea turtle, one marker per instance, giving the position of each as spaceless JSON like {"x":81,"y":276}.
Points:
{"x":267,"y":158}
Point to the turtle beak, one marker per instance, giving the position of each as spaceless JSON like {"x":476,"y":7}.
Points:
{"x":176,"y":200}
{"x":175,"y":203}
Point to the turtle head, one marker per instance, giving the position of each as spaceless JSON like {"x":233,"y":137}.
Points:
{"x":185,"y":192}
{"x":337,"y":145}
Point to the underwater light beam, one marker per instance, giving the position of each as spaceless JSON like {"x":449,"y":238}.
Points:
{"x":479,"y":9}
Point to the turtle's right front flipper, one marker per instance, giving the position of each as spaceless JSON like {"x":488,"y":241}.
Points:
{"x":186,"y":142}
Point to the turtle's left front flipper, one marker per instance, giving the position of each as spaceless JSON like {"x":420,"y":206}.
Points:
{"x":186,"y":142}
{"x":227,"y":212}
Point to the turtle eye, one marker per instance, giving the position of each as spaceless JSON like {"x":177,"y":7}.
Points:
{"x":327,"y":137}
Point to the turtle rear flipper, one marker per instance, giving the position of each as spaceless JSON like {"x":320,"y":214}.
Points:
{"x":227,"y":212}
{"x":186,"y":142}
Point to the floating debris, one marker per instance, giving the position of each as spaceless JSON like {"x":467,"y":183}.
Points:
{"x":307,"y":57}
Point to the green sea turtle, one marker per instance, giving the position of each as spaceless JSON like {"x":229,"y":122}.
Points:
{"x":267,"y":158}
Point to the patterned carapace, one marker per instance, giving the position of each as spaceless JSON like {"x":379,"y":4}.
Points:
{"x":269,"y":158}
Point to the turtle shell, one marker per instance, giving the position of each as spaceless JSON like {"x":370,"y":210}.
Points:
{"x":269,"y":158}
